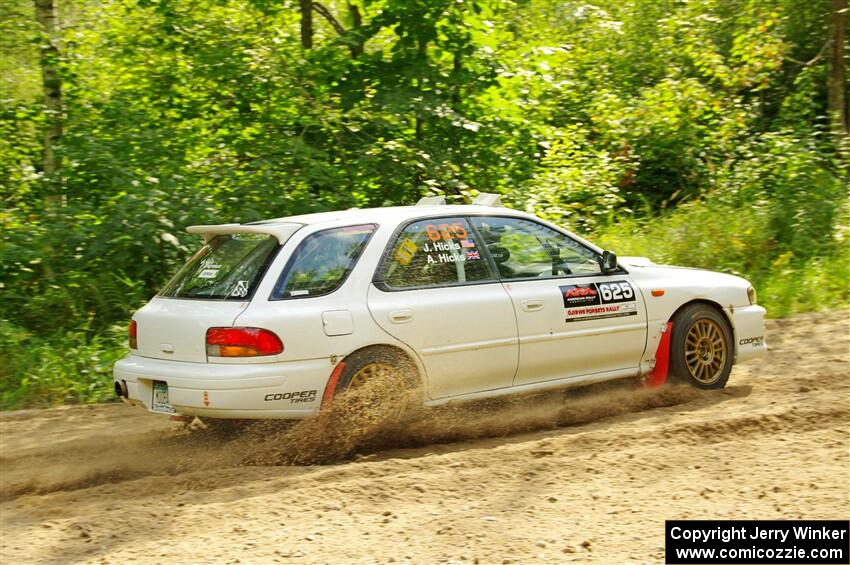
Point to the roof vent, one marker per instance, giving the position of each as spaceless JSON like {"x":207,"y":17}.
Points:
{"x":488,"y":199}
{"x":432,"y":201}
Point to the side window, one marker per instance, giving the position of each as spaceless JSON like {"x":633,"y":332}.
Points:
{"x":524,"y":249}
{"x":435,"y":252}
{"x":322,"y":262}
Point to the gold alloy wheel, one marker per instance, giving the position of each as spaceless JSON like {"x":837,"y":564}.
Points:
{"x":705,"y":351}
{"x":370,"y":372}
{"x":375,"y":394}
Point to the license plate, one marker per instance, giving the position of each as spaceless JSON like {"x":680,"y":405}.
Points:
{"x":160,"y":398}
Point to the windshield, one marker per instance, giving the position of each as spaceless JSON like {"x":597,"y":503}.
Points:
{"x":228,"y":267}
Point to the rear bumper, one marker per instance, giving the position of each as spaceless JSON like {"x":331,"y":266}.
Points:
{"x":750,"y":340}
{"x":289,"y":390}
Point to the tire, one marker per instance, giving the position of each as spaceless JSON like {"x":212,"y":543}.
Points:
{"x":379,"y":379}
{"x":701,"y":350}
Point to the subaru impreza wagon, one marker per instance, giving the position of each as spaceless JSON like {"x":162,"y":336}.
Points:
{"x":273,"y":319}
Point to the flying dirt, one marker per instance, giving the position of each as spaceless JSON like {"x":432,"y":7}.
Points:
{"x":584,"y":475}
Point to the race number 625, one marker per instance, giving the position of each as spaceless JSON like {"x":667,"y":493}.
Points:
{"x":616,"y":291}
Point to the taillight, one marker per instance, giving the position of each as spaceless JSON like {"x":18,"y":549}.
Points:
{"x":133,"y":332}
{"x":242,"y":342}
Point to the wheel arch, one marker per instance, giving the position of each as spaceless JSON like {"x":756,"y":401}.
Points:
{"x":719,"y":309}
{"x":393,"y":350}
{"x":677,"y":361}
{"x":712,"y":304}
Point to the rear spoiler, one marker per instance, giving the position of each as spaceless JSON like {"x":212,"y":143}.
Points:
{"x":281,"y":231}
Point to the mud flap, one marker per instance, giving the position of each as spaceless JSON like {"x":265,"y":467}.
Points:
{"x":658,"y":376}
{"x":330,"y":388}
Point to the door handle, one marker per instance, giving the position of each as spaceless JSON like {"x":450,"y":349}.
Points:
{"x":401,"y":316}
{"x":532,"y":305}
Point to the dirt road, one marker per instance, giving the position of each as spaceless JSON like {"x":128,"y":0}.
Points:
{"x":586,"y":478}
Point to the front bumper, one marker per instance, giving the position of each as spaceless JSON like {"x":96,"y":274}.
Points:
{"x":289,"y":390}
{"x":748,"y":323}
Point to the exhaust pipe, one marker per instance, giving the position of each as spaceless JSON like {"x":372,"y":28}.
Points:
{"x":121,"y":389}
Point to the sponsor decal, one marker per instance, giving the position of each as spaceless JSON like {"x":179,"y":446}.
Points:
{"x":595,"y":301}
{"x":406,"y":251}
{"x":299,"y":397}
{"x":601,"y":312}
{"x":580,"y":295}
{"x":757,"y":341}
{"x":241,"y":289}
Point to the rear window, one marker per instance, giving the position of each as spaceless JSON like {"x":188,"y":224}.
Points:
{"x":322,"y":262}
{"x":229,"y":267}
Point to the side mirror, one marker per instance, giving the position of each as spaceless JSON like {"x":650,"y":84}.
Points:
{"x":608,"y":262}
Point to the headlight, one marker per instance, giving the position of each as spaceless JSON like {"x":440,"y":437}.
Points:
{"x":751,"y":294}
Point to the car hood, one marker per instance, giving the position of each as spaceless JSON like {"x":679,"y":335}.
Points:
{"x":644,"y":268}
{"x":635,"y":261}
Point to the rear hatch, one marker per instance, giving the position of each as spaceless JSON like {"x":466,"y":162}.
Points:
{"x":210,"y":290}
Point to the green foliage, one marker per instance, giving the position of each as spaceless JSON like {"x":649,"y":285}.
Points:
{"x":691,"y":132}
{"x":71,"y":367}
{"x":741,"y":244}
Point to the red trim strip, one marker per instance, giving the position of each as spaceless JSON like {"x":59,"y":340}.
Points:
{"x":658,"y":375}
{"x":330,"y":388}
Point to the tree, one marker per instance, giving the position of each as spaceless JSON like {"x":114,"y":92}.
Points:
{"x":355,"y":45}
{"x":837,"y":81}
{"x":46,"y":16}
{"x":306,"y":7}
{"x":356,"y":24}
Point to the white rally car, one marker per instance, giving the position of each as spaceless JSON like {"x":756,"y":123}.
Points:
{"x":272,"y":319}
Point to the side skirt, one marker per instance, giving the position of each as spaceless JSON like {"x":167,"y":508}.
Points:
{"x":541,"y":386}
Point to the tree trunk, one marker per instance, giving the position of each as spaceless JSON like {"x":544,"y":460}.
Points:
{"x":356,"y":23}
{"x":307,"y":24}
{"x":457,"y":68}
{"x":422,"y":52}
{"x":837,"y":79}
{"x":46,"y":16}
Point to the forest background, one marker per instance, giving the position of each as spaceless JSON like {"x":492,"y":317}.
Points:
{"x":709,"y":133}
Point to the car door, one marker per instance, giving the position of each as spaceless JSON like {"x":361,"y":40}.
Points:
{"x":436,"y":292}
{"x":572,"y":319}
